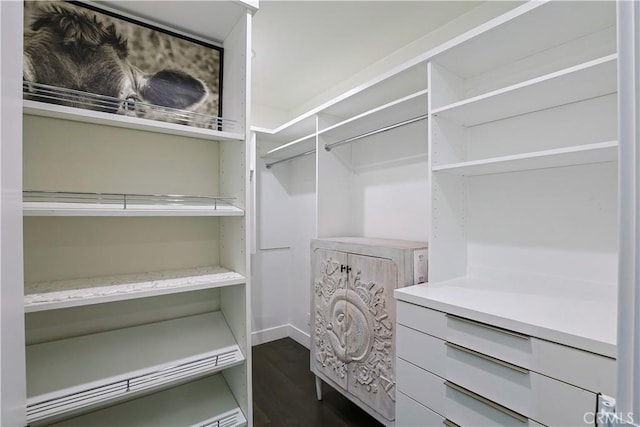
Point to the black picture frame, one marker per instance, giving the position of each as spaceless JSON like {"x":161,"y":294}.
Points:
{"x":126,"y":66}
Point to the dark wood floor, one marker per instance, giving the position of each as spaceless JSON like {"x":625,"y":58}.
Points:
{"x":284,"y":393}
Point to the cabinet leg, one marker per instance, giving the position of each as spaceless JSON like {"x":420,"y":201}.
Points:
{"x":318,"y":388}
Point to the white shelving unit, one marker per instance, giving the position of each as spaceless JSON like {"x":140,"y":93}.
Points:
{"x":569,"y":156}
{"x":523,"y":153}
{"x":584,"y":81}
{"x":518,"y":197}
{"x":117,"y":364}
{"x":55,"y":294}
{"x":205,"y":402}
{"x":135,"y":294}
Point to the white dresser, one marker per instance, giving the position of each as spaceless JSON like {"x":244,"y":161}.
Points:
{"x":482,"y":356}
{"x":353,"y":316}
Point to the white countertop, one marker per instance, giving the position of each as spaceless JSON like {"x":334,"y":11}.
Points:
{"x":577,"y":314}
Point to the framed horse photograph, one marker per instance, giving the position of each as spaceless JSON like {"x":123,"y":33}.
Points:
{"x":82,"y":56}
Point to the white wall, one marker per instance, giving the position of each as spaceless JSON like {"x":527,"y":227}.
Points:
{"x":285,"y":224}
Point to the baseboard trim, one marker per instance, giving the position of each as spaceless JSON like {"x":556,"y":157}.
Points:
{"x":299,"y":336}
{"x":279,"y":332}
{"x":270,"y":334}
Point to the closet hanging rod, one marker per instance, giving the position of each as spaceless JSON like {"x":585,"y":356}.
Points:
{"x":295,"y":156}
{"x":328,"y":147}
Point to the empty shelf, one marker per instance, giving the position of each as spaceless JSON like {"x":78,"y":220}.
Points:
{"x":584,"y":81}
{"x":82,"y":372}
{"x":66,"y":203}
{"x":37,"y":108}
{"x":71,"y":293}
{"x":206,"y":402}
{"x":569,"y":156}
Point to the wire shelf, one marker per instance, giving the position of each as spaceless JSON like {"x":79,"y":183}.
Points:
{"x":127,"y":107}
{"x":38,"y":410}
{"x":125,"y":200}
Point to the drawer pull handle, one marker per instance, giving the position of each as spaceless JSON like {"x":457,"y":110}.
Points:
{"x":487,"y":402}
{"x":489,"y":358}
{"x":448,"y":423}
{"x":491,"y":327}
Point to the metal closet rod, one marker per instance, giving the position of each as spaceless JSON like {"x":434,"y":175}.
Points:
{"x":306,"y":153}
{"x":328,"y":147}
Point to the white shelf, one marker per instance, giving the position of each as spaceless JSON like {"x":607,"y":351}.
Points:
{"x":90,"y":116}
{"x":294,"y":148}
{"x":398,"y":110}
{"x":584,"y":81}
{"x":554,"y":309}
{"x":205,"y":402}
{"x":53,"y":295}
{"x":519,"y":35}
{"x":380,"y":91}
{"x":568,"y":156}
{"x":86,"y":371}
{"x":110,"y":209}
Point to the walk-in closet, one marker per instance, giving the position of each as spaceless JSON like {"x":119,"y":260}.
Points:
{"x":243,"y":213}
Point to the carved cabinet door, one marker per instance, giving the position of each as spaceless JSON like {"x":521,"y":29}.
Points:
{"x":328,"y":331}
{"x":370,"y":317}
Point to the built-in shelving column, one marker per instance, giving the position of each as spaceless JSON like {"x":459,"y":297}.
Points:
{"x":12,"y":381}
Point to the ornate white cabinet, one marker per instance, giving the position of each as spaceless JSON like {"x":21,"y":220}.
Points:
{"x":353,"y":315}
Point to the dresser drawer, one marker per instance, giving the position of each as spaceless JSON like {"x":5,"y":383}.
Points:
{"x":410,"y":413}
{"x":499,"y":381}
{"x":525,"y":392}
{"x":466,"y":408}
{"x":590,"y":371}
{"x":422,"y":350}
{"x":500,"y":343}
{"x":425,"y":320}
{"x":420,"y":385}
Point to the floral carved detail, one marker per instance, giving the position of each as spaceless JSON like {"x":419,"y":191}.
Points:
{"x":375,"y":371}
{"x":353,"y":331}
{"x":325,"y":286}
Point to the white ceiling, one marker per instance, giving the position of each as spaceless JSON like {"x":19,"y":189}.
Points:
{"x":303,"y":48}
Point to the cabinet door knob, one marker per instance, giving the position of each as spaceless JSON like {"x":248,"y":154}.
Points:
{"x":344,"y":268}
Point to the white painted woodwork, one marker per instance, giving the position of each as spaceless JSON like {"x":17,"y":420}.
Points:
{"x":130,"y":357}
{"x":104,"y":271}
{"x":413,"y":414}
{"x":12,"y":381}
{"x":628,"y":387}
{"x":528,"y":393}
{"x":430,"y":322}
{"x":521,"y":188}
{"x":421,"y":350}
{"x":490,"y":340}
{"x":111,"y":210}
{"x":420,"y":385}
{"x":524,"y":374}
{"x":589,"y":80}
{"x":465,"y":410}
{"x":198,"y":403}
{"x":352,"y":313}
{"x":472,"y":54}
{"x":51,"y":295}
{"x":35,"y":108}
{"x":553,"y":314}
{"x":579,"y":155}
